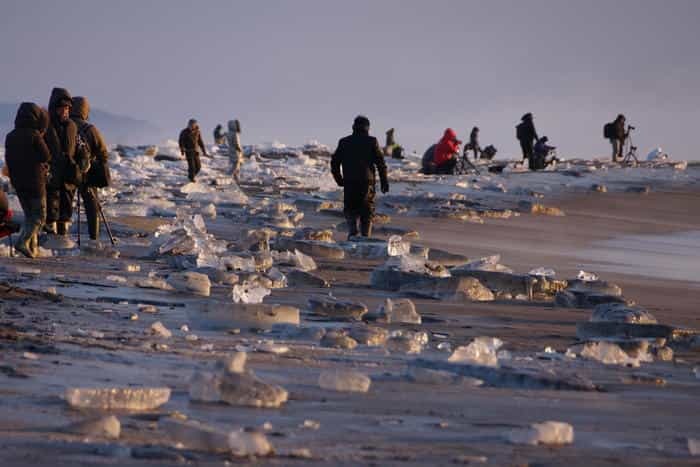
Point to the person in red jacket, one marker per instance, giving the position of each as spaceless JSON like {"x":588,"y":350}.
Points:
{"x":446,"y":151}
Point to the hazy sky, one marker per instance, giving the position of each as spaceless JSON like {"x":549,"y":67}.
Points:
{"x":300,"y":69}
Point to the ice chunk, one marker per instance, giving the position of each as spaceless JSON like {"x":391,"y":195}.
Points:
{"x":344,"y":381}
{"x":372,"y":336}
{"x":117,"y":398}
{"x":621,"y":313}
{"x":249,"y":293}
{"x":587,"y":276}
{"x":400,"y":311}
{"x":234,"y":363}
{"x":159,"y":330}
{"x":331,"y":307}
{"x":396,"y":246}
{"x":550,"y":432}
{"x":338,"y":340}
{"x":246,"y":389}
{"x":481,"y":351}
{"x":612,"y":354}
{"x":271,"y":347}
{"x":304,"y":262}
{"x":408,"y":342}
{"x":542,"y":272}
{"x":193,"y":282}
{"x":101,"y":427}
{"x":209,"y":211}
{"x":487,"y":263}
{"x":205,"y":387}
{"x":190,"y":434}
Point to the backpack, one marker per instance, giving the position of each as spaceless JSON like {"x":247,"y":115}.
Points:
{"x":520,"y":131}
{"x":609,"y":130}
{"x":96,"y":173}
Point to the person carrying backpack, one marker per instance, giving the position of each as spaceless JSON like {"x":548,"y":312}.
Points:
{"x":615,"y":133}
{"x":93,"y":163}
{"x":527,"y":135}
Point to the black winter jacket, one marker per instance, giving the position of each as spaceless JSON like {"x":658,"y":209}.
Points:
{"x":26,"y":153}
{"x":357,"y":158}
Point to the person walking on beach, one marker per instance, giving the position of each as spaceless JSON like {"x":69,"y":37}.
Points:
{"x":27,"y":157}
{"x":190,"y":143}
{"x":96,"y":171}
{"x":235,"y":150}
{"x":61,"y":137}
{"x":527,"y":135}
{"x":354,"y":166}
{"x":615,"y":133}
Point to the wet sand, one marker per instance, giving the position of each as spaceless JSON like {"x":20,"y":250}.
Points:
{"x":397,"y":422}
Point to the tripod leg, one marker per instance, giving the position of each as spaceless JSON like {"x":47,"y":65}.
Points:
{"x":104,"y":219}
{"x":78,"y":195}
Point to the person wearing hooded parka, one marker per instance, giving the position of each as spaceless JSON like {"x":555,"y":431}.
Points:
{"x":27,"y":157}
{"x":61,"y":138}
{"x":91,"y":136}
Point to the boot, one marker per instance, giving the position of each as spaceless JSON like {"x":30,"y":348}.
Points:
{"x":34,"y":245}
{"x":50,"y":228}
{"x":352,"y":227}
{"x":23,"y":247}
{"x":366,"y":227}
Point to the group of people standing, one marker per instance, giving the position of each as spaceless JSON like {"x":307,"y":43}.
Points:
{"x":191,"y":143}
{"x":50,"y":155}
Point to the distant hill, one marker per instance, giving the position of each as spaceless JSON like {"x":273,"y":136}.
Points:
{"x":115,"y":128}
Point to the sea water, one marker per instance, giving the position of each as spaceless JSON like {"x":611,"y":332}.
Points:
{"x":673,"y":256}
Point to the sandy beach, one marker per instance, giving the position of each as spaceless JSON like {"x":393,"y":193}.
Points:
{"x":93,"y":334}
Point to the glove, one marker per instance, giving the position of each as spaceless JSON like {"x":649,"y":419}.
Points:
{"x":385,"y":186}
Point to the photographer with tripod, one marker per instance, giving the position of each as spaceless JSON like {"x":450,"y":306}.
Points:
{"x":616,"y":134}
{"x":95,"y":169}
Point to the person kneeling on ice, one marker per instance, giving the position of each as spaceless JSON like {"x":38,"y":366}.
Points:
{"x":7,"y":227}
{"x":446,"y":151}
{"x":354,"y":165}
{"x":190,"y":141}
{"x":27,"y":157}
{"x":541,"y":153}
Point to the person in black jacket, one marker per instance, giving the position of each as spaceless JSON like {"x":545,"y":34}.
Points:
{"x":474,"y":143}
{"x":354,"y":165}
{"x":61,"y":138}
{"x":27,"y":158}
{"x":190,"y":143}
{"x":619,"y":136}
{"x":527,"y":135}
{"x":91,"y":136}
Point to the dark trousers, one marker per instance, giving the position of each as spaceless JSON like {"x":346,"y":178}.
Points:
{"x":34,"y":208}
{"x":194,"y":165}
{"x":359,"y":205}
{"x":448,"y":168}
{"x":89,"y":196}
{"x":59,"y":203}
{"x":527,"y":148}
